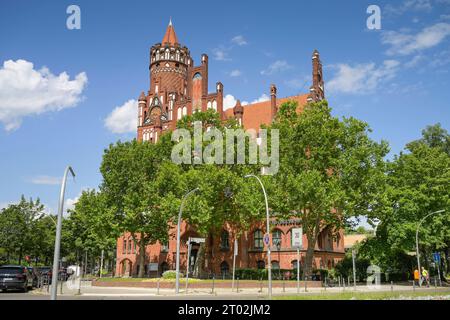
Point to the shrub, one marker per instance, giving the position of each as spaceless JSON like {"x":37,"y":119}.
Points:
{"x":169,"y":274}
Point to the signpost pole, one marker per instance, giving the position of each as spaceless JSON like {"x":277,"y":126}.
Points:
{"x":187,"y":263}
{"x":101,"y":263}
{"x":298,"y":269}
{"x":234,"y":262}
{"x":354,"y":269}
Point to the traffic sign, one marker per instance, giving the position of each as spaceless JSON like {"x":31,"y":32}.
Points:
{"x":196,"y":240}
{"x":266,"y":239}
{"x":437,"y":257}
{"x":297,"y":237}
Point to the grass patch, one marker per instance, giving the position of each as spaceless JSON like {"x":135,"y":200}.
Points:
{"x":364,"y":295}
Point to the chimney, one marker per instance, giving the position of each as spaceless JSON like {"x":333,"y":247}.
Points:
{"x":273,"y":101}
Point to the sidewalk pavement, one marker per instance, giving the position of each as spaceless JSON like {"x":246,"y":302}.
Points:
{"x":71,"y":289}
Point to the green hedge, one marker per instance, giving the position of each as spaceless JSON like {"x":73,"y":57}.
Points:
{"x":277,"y":274}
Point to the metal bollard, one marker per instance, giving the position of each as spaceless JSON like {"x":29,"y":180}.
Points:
{"x":325,"y":286}
{"x":260,"y":285}
{"x":237,"y":285}
{"x":157,"y":286}
{"x":306,"y":288}
{"x":284,"y":286}
{"x":435,"y":283}
{"x":61,"y":287}
{"x":414,"y":285}
{"x":212,"y":289}
{"x":392,"y":286}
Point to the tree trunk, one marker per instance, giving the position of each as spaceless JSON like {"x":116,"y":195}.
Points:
{"x":309,"y":257}
{"x":20,"y":256}
{"x":141,"y":256}
{"x":198,"y":267}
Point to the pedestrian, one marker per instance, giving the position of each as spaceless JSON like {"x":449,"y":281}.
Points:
{"x":425,"y":276}
{"x":416,"y":276}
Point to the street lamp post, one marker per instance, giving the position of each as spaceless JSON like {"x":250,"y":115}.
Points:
{"x":269,"y":265}
{"x":177,"y":284}
{"x":58,"y":233}
{"x":417,"y":243}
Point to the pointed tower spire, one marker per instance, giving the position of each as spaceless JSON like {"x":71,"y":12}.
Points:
{"x":170,"y":35}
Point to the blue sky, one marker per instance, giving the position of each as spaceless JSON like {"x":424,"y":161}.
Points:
{"x":396,"y":78}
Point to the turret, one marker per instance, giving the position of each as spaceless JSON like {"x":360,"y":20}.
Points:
{"x":316,"y":91}
{"x":273,"y":100}
{"x":141,"y":106}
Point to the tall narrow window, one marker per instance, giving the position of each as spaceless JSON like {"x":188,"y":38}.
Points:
{"x":276,"y":237}
{"x":258,"y":239}
{"x":129,"y":245}
{"x":124,"y":249}
{"x":224,"y":243}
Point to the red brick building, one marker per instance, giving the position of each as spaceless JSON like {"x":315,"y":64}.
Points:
{"x":178,"y":88}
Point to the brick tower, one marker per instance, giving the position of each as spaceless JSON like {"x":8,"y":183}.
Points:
{"x":177,"y":88}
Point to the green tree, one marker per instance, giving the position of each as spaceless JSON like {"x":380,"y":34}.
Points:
{"x":130,"y":170}
{"x":330,"y":170}
{"x":418,"y":183}
{"x":18,"y":228}
{"x":224,"y":197}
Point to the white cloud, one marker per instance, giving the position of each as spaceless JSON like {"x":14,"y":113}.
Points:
{"x":221,"y":54}
{"x":362,"y":78}
{"x":402,"y":43}
{"x":70,"y":203}
{"x":229,"y":101}
{"x":262,"y":98}
{"x":123,"y":119}
{"x":239,"y":40}
{"x":407,"y":6}
{"x":414,"y":61}
{"x":235,"y":73}
{"x":46,"y":180}
{"x":25,"y":91}
{"x":276,"y":67}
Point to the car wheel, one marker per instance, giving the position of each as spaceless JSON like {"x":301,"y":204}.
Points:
{"x":25,"y":289}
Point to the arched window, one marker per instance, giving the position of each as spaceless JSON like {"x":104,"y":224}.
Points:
{"x":179,"y":113}
{"x":157,"y":55}
{"x":258,"y":239}
{"x":167,"y":56}
{"x":224,"y":243}
{"x":276,"y":237}
{"x":130,"y":243}
{"x":197,"y":76}
{"x":184,"y":111}
{"x":224,"y":268}
{"x":208,"y":105}
{"x":214,"y":105}
{"x":275,"y":265}
{"x":124,"y":249}
{"x":260,"y":264}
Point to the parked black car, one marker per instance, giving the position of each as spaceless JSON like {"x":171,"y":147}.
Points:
{"x":15,"y":277}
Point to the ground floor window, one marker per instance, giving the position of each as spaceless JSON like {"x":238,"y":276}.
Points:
{"x":224,"y":269}
{"x":261,"y":264}
{"x":275,"y":265}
